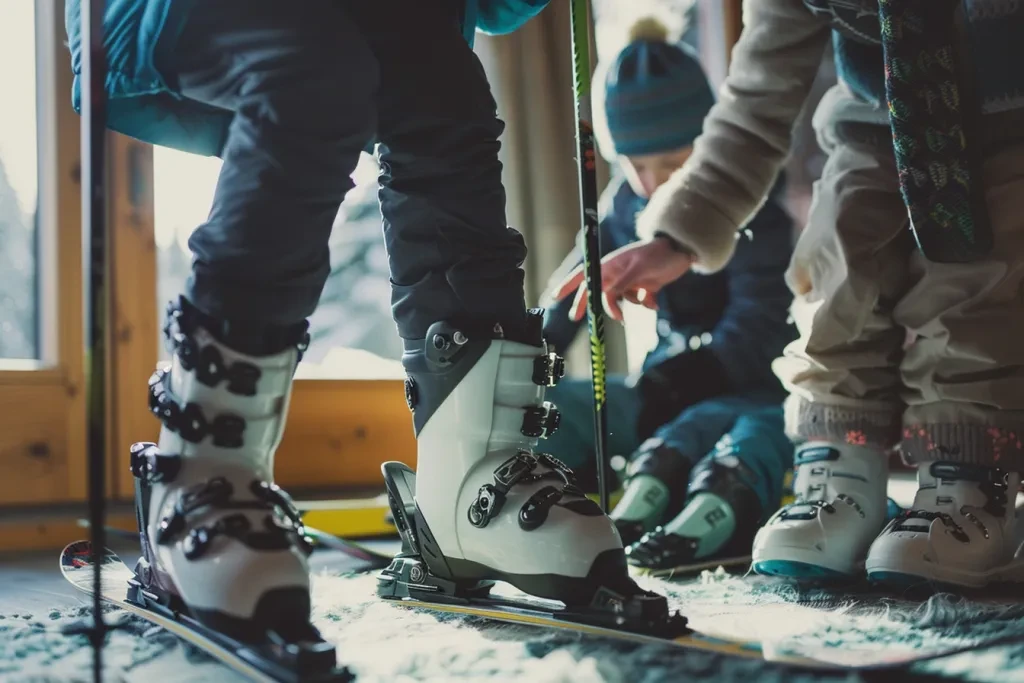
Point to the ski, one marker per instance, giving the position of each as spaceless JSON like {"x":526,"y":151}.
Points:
{"x":710,"y":636}
{"x":274,"y":661}
{"x":416,"y":579}
{"x":320,"y":540}
{"x":739,"y":562}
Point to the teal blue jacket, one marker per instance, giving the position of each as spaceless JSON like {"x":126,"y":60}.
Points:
{"x":142,"y":105}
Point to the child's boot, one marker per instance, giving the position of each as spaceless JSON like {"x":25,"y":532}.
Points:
{"x":961,"y":530}
{"x":721,"y":516}
{"x":840,"y":507}
{"x":648,"y":498}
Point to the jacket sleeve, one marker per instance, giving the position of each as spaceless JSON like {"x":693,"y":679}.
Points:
{"x":755,"y":326}
{"x":615,"y":208}
{"x":506,"y":16}
{"x":746,"y":135}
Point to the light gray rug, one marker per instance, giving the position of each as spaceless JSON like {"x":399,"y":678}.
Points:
{"x":384,"y":643}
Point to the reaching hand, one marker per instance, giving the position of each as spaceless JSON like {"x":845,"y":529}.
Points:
{"x":636,"y":273}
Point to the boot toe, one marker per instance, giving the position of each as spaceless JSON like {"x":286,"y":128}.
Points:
{"x":801,"y":543}
{"x":934,"y":552}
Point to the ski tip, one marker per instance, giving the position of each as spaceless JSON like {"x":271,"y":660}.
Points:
{"x":79,"y":555}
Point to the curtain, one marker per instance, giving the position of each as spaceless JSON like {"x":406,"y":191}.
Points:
{"x":531,"y":77}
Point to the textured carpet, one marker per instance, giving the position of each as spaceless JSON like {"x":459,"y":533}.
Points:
{"x":384,"y":643}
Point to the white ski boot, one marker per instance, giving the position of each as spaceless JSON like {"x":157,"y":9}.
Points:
{"x":483,"y":506}
{"x":840,"y":508}
{"x":960,"y":531}
{"x":221,"y":542}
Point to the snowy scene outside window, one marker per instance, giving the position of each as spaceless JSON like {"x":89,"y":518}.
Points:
{"x":19,"y":185}
{"x":353,"y":335}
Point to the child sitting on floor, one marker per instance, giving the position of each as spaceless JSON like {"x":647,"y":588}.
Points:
{"x":909,"y":328}
{"x":702,"y":427}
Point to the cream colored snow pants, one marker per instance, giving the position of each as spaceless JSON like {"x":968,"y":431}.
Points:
{"x":896,"y":351}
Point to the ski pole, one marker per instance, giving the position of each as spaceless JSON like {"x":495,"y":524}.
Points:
{"x":591,"y":235}
{"x":95,"y":252}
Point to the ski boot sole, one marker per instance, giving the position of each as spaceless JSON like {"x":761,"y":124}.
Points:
{"x":788,"y":569}
{"x":942,"y":578}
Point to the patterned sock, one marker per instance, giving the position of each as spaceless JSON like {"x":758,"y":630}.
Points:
{"x":929,"y":116}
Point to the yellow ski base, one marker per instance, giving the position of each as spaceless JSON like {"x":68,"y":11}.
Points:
{"x":349,"y":518}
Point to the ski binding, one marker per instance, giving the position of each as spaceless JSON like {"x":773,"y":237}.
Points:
{"x":423,"y":576}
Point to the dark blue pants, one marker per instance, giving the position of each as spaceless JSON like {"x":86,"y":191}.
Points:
{"x":311,"y":84}
{"x":749,"y":429}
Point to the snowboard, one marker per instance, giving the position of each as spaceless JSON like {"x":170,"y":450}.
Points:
{"x":77,"y":567}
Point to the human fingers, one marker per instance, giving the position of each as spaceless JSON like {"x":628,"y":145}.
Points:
{"x":570,"y":284}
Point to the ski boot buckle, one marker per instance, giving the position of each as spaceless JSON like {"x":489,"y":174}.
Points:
{"x":490,"y":498}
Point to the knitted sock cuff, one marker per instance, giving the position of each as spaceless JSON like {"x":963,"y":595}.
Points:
{"x":975,"y":444}
{"x":812,"y":421}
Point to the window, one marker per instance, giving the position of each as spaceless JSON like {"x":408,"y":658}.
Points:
{"x":19,"y":185}
{"x":42,"y":378}
{"x":353,"y":335}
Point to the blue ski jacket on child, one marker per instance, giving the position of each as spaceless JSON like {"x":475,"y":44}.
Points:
{"x":736,"y":320}
{"x":144,"y":106}
{"x":707,"y":389}
{"x":712,"y":390}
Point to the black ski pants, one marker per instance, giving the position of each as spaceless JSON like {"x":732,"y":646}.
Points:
{"x":311,"y":84}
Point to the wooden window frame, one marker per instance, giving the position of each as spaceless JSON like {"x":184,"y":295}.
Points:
{"x":338,"y":433}
{"x":43,"y":404}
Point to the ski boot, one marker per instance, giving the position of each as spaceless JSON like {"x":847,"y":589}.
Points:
{"x":223,"y":548}
{"x":483,"y":506}
{"x":840,"y":507}
{"x":721,"y":517}
{"x":960,"y":531}
{"x":647,"y":498}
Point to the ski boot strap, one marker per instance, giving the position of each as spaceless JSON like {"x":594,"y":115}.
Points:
{"x":519,"y":469}
{"x":905,"y":522}
{"x":282,"y":528}
{"x":994,"y":482}
{"x":188,"y":421}
{"x":151,"y":466}
{"x":183,"y":321}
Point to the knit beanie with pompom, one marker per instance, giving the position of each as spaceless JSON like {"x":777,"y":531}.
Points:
{"x":653,"y":96}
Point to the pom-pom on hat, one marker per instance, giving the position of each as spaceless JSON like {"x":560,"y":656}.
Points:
{"x":653,"y":96}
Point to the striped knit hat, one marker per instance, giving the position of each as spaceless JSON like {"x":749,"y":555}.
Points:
{"x":655,"y":95}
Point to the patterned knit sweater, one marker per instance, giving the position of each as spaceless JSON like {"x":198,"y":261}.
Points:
{"x":773,"y":66}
